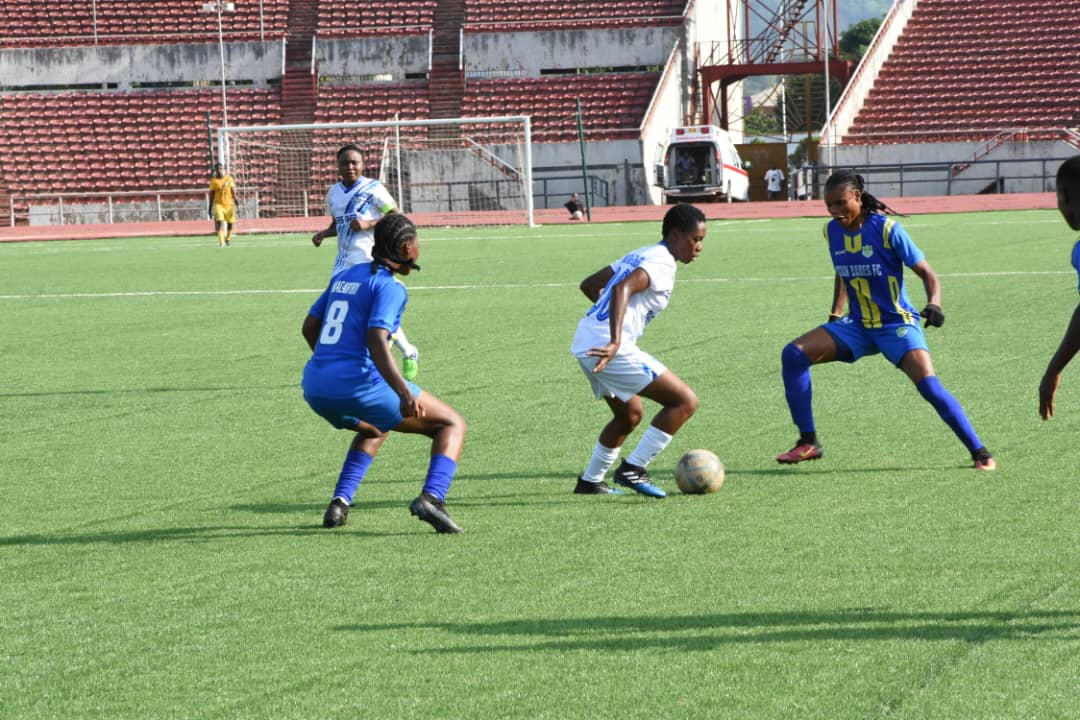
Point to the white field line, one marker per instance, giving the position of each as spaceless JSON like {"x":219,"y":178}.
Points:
{"x":499,"y":286}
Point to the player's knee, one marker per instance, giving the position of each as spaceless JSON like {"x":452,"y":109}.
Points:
{"x":455,"y":423}
{"x":629,"y":419}
{"x":690,"y":402}
{"x":792,"y":357}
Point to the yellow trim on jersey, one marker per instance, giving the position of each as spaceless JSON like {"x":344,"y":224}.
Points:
{"x":894,"y":290}
{"x":886,"y":232}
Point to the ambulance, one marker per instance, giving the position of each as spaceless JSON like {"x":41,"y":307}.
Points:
{"x":700,"y":164}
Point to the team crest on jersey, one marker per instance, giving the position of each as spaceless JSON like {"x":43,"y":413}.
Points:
{"x":867,"y":251}
{"x":901,"y":332}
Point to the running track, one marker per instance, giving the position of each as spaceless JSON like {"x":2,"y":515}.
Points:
{"x":714,"y":211}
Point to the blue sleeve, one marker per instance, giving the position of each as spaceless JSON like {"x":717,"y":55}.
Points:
{"x":387,"y":305}
{"x":906,"y":249}
{"x":1076,"y":263}
{"x":318,"y":309}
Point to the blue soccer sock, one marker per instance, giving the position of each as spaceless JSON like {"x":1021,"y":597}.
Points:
{"x":795,"y":369}
{"x":949,"y":410}
{"x":439,"y":476}
{"x":356,"y":465}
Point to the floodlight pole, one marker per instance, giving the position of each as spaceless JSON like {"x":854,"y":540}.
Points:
{"x":219,"y":7}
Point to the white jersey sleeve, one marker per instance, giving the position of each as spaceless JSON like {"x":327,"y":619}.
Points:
{"x":594,"y":330}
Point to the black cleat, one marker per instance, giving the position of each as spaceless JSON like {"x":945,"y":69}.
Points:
{"x":637,"y":479}
{"x":432,"y":511}
{"x":983,"y":460}
{"x":337,"y":514}
{"x":584,"y":487}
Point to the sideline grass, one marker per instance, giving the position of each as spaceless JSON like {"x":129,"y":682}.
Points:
{"x":163,"y":485}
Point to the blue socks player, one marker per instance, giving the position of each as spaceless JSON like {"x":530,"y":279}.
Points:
{"x":870,"y":250}
{"x":351,"y":379}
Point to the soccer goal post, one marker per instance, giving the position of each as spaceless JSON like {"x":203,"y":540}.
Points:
{"x":465,"y":171}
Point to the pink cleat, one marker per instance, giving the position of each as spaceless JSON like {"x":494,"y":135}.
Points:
{"x":799,"y":453}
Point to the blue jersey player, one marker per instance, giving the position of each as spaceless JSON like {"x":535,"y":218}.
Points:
{"x":1068,"y":197}
{"x":355,"y":204}
{"x":869,"y":251}
{"x":352,"y":382}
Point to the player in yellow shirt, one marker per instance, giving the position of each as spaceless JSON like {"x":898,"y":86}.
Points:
{"x":222,"y":208}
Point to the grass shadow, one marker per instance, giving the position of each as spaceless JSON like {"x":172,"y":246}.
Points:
{"x":709,"y":631}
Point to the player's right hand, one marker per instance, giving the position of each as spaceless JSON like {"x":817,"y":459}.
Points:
{"x":316,"y":239}
{"x":605,"y":354}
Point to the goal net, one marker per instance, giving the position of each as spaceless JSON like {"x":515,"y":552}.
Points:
{"x":460,"y":171}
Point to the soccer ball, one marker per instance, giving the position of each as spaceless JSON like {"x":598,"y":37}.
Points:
{"x":699,"y":472}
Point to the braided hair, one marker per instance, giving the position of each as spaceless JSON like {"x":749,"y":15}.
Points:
{"x":848,"y":179}
{"x":682,"y":217}
{"x":391,"y":234}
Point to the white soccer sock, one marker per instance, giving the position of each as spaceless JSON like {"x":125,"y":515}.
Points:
{"x":601,"y":461}
{"x":402,"y":343}
{"x":651,"y":444}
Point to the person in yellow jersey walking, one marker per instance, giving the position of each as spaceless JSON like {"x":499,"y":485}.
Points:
{"x":222,"y":208}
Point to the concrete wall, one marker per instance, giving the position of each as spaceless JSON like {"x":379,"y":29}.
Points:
{"x":394,"y":56}
{"x":526,"y":53}
{"x":616,"y":162}
{"x":666,"y":112}
{"x":1022,"y":166}
{"x":127,"y":64}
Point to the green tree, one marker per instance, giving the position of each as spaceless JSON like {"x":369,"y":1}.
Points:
{"x":760,"y":122}
{"x":855,"y":41}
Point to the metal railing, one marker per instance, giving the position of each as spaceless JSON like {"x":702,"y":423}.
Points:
{"x":600,"y":190}
{"x":942,"y":178}
{"x":73,"y":208}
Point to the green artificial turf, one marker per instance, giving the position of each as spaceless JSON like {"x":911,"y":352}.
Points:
{"x":163,"y":485}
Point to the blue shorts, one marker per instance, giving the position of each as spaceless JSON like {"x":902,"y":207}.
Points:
{"x":892,"y":341}
{"x":378,"y":406}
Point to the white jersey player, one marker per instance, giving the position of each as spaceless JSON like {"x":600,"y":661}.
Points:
{"x":355,"y":205}
{"x":626,"y":296}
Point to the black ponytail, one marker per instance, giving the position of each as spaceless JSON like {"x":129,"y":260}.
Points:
{"x":847,"y":179}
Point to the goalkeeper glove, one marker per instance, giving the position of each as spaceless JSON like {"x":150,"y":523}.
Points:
{"x":933,"y":315}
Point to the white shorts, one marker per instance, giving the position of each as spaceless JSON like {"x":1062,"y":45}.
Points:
{"x":625,"y":376}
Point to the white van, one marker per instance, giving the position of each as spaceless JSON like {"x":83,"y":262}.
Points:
{"x":701,"y":164}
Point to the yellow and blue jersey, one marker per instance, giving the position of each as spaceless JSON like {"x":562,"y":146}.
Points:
{"x":357,"y":299}
{"x":871,"y":262}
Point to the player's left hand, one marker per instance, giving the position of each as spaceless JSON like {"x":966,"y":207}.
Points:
{"x":933,"y":315}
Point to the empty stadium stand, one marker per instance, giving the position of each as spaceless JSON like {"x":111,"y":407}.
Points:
{"x":509,"y":15}
{"x":348,"y":18}
{"x":116,"y":141}
{"x":55,"y":138}
{"x":967,"y":70}
{"x":32,"y":23}
{"x":613,"y":104}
